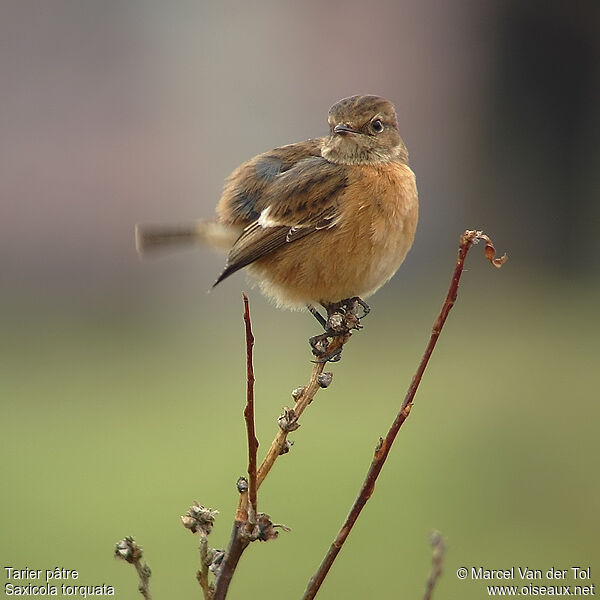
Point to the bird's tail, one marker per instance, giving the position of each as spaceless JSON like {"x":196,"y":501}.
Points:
{"x":150,"y":239}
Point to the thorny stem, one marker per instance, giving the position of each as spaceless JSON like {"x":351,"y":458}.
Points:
{"x":383,"y":447}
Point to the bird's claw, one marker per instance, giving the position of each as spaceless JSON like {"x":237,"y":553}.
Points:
{"x":342,"y":318}
{"x":320,"y":344}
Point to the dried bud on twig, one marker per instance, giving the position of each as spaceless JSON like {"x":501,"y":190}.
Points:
{"x":337,"y":322}
{"x":324,"y":379}
{"x":242,"y":485}
{"x":127,"y":550}
{"x":266,"y":528}
{"x":298,"y":392}
{"x":217,"y":559}
{"x":199,"y":518}
{"x":288,"y":421}
{"x":287,"y":446}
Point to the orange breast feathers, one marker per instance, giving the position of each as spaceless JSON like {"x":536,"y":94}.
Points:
{"x":360,"y":246}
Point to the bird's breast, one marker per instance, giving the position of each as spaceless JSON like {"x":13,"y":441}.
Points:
{"x":367,"y":242}
{"x":379,"y":219}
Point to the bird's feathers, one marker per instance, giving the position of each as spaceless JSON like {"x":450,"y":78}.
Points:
{"x":297,"y":202}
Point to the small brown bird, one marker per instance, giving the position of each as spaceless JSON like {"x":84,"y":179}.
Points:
{"x":316,"y":222}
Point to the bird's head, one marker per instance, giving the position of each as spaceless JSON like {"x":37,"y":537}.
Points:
{"x":363,"y":130}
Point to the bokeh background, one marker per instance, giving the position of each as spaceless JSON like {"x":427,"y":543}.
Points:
{"x":122,"y":382}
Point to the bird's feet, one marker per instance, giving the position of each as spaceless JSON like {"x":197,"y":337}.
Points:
{"x":342,"y":318}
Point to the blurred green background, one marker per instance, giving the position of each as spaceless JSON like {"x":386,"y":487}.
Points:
{"x":122,"y":383}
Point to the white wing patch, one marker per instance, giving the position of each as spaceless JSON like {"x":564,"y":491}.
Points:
{"x":265,"y":221}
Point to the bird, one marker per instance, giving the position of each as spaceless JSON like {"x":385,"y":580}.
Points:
{"x":318,"y":222}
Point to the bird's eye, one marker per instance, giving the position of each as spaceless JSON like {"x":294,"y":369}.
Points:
{"x":377,"y":125}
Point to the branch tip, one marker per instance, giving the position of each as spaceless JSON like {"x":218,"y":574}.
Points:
{"x":128,"y":550}
{"x":472,"y":236}
{"x":199,"y":519}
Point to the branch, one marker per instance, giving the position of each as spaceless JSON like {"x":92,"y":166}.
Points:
{"x":202,"y":574}
{"x":127,"y":550}
{"x":245,"y":517}
{"x":201,"y":520}
{"x":245,"y":522}
{"x":437,"y":558}
{"x":242,"y":533}
{"x":384,"y":446}
{"x":288,"y":422}
{"x":249,"y":417}
{"x":237,"y":544}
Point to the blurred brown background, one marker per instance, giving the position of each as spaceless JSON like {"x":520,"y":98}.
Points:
{"x":122,"y":382}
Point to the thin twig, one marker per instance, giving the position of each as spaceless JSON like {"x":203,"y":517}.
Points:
{"x":128,"y":550}
{"x":143,"y":572}
{"x":383,"y":447}
{"x":200,"y":519}
{"x":202,"y":574}
{"x":437,"y":558}
{"x":249,"y":417}
{"x":304,"y":398}
{"x":245,"y":518}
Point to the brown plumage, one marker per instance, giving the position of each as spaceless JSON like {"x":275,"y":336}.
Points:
{"x":319,"y":221}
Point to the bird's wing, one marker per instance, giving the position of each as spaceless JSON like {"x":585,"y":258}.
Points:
{"x":243,"y":197}
{"x":298,"y":202}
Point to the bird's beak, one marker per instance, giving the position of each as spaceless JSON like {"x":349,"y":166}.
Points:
{"x":343,"y":129}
